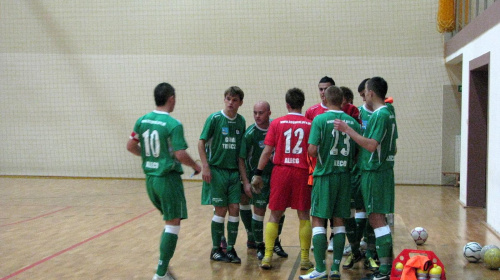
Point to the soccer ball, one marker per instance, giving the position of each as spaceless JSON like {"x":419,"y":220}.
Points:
{"x":486,"y":248}
{"x":420,"y":235}
{"x":492,"y":258}
{"x":472,"y":252}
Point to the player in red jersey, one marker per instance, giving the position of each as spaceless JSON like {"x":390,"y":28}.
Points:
{"x":287,"y":137}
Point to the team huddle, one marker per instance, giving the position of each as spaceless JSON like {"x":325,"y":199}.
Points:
{"x":335,"y":163}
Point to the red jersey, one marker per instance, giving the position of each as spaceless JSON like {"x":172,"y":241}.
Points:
{"x":352,"y":111}
{"x":315,"y":110}
{"x":289,"y":135}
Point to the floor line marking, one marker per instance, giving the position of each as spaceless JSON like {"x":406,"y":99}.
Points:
{"x":74,"y":246}
{"x":37,"y":217}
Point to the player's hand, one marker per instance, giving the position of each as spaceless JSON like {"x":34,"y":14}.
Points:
{"x":340,"y":125}
{"x":206,"y":174}
{"x":257,"y":184}
{"x":197,"y":169}
{"x":248,"y":189}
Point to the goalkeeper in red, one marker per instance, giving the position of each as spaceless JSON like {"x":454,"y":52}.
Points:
{"x":159,"y":140}
{"x":287,"y":137}
{"x":335,"y":152}
{"x":377,"y":169}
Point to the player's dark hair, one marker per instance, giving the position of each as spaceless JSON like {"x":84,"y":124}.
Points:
{"x":295,"y":98}
{"x":162,"y":92}
{"x":378,"y":85}
{"x":334,"y":95}
{"x":348,"y":95}
{"x":361,"y":86}
{"x":234,"y":91}
{"x":327,"y":79}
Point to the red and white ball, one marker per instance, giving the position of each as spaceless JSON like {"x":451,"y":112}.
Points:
{"x":419,"y":235}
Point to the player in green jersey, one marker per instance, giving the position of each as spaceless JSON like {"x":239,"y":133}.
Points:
{"x":335,"y":152}
{"x":159,"y":140}
{"x":251,"y":149}
{"x":219,"y":148}
{"x":377,"y":169}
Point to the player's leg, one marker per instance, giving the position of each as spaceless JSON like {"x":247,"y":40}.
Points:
{"x":277,"y":243}
{"x":301,"y":201}
{"x":319,"y":242}
{"x":353,"y":231}
{"x":341,"y":189}
{"x":258,"y":230}
{"x":381,"y":186}
{"x":246,"y":218}
{"x":270,"y":235}
{"x":234,"y":195}
{"x":218,"y":187}
{"x":173,"y":207}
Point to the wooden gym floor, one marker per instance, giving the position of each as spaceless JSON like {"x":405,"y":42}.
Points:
{"x":108,"y":229}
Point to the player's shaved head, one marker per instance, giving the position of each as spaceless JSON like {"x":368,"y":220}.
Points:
{"x":262,"y":106}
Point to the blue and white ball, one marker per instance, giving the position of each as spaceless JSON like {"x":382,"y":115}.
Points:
{"x":472,"y":252}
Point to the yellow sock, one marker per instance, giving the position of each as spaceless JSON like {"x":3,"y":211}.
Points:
{"x":305,"y":234}
{"x":269,"y":237}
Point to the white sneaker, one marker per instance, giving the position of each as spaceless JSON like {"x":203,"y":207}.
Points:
{"x":314,"y":275}
{"x":167,"y":276}
{"x":330,"y":245}
{"x":347,"y":250}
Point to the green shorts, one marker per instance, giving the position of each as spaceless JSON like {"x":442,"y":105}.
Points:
{"x":378,"y":191}
{"x":167,"y":195}
{"x":224,"y":189}
{"x":356,"y":195}
{"x":330,"y":196}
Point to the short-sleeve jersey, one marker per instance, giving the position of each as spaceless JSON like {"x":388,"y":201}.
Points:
{"x":336,"y":150}
{"x":223,"y":138}
{"x":315,"y":110}
{"x":381,"y":127}
{"x":252,"y":147}
{"x":364,"y":116}
{"x":289,"y":135}
{"x":159,"y":135}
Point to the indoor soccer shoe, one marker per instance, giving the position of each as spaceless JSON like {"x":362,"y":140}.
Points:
{"x":330,"y":245}
{"x":167,"y":276}
{"x":218,"y":255}
{"x":351,"y":260}
{"x":279,"y":250}
{"x":232,"y":256}
{"x":335,"y":274}
{"x":265,"y":263}
{"x":347,"y":250}
{"x":314,"y":275}
{"x":306,"y":265}
{"x":377,"y":276}
{"x":261,"y":251}
{"x":371,"y":264}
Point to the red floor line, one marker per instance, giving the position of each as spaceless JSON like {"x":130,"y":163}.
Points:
{"x":37,"y":217}
{"x":75,"y":245}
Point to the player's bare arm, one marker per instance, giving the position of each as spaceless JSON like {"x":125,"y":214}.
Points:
{"x":206,"y":174}
{"x":244,"y":178}
{"x":134,"y":147}
{"x":257,"y":182}
{"x":186,"y":159}
{"x":312,"y":150}
{"x":367,"y":143}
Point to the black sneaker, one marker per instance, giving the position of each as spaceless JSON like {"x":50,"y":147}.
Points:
{"x":279,"y":250}
{"x":261,"y":251}
{"x":232,"y":256}
{"x":251,"y":244}
{"x":218,"y":255}
{"x":377,"y":276}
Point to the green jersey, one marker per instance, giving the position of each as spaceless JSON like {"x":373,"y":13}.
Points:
{"x":364,"y":116}
{"x":160,"y":136}
{"x":381,"y":127}
{"x":336,"y":149}
{"x":252,"y":147}
{"x":223,"y":138}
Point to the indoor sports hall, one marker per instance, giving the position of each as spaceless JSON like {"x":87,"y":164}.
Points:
{"x":76,"y":75}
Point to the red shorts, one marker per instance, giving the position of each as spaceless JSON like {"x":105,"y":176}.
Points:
{"x":289,"y":189}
